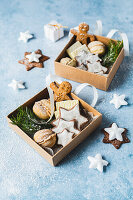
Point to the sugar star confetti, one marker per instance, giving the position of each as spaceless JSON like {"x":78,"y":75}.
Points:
{"x":118,"y":101}
{"x":16,"y":84}
{"x":97,"y":162}
{"x":64,"y":137}
{"x":25,"y":36}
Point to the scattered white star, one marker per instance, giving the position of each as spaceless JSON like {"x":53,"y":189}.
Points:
{"x":97,"y":162}
{"x":25,"y":36}
{"x":33,"y":57}
{"x":115,"y":132}
{"x":118,"y":101}
{"x":16,"y":84}
{"x":64,"y":137}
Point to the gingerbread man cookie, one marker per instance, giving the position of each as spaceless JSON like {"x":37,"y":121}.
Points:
{"x":61,"y":92}
{"x":82,"y":35}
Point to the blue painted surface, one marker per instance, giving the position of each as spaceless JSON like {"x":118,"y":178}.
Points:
{"x":24,"y":174}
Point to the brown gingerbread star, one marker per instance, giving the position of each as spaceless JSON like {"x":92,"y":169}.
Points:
{"x":115,"y":142}
{"x":33,"y":59}
{"x":82,"y":35}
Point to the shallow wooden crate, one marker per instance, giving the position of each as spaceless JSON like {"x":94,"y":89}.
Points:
{"x":81,"y":76}
{"x":56,"y":158}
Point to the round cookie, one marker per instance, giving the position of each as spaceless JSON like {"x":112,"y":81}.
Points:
{"x":45,"y":138}
{"x":96,"y":47}
{"x":42,"y":109}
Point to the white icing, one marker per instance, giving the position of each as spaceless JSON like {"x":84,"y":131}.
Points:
{"x":97,"y":162}
{"x":33,"y":57}
{"x":92,"y":61}
{"x":16,"y":84}
{"x":115,"y":132}
{"x":73,"y":114}
{"x":64,"y":137}
{"x":25,"y":36}
{"x":85,"y":57}
{"x":63,"y":124}
{"x":118,"y":101}
{"x":96,"y":68}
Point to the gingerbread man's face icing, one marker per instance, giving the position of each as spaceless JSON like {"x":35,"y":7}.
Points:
{"x":82,"y":35}
{"x":83,"y":28}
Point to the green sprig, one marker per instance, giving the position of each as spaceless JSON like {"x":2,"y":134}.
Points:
{"x":28,"y":122}
{"x":112,"y":53}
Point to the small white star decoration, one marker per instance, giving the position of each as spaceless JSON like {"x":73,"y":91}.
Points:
{"x":97,"y":162}
{"x":25,"y":36}
{"x":115,"y":132}
{"x":16,"y":84}
{"x":33,"y":57}
{"x":118,"y":100}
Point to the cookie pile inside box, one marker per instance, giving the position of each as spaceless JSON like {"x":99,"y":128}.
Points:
{"x":89,"y":54}
{"x":69,"y":119}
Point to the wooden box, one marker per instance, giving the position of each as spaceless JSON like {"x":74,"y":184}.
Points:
{"x":56,"y":158}
{"x":78,"y":75}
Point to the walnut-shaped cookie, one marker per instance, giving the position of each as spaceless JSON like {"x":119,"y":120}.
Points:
{"x":82,"y":35}
{"x":42,"y":109}
{"x":45,"y":138}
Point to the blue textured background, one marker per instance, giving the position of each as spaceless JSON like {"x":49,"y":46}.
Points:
{"x":24,"y":174}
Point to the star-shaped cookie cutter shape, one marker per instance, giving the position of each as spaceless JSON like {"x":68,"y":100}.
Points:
{"x":29,"y":65}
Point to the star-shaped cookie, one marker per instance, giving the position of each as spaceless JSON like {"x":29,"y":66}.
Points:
{"x":16,"y":84}
{"x":72,"y":114}
{"x":63,"y":124}
{"x":25,"y":36}
{"x":118,"y":100}
{"x":64,"y":137}
{"x":97,"y":162}
{"x":31,"y":59}
{"x":115,"y":135}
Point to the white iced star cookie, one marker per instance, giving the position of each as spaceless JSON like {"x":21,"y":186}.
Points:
{"x":115,"y":132}
{"x":33,"y":57}
{"x":25,"y":36}
{"x":118,"y":101}
{"x":97,"y":162}
{"x":63,"y":124}
{"x":64,"y":137}
{"x":71,"y":114}
{"x":16,"y":84}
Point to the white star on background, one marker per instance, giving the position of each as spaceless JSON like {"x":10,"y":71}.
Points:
{"x":16,"y":84}
{"x":97,"y":162}
{"x":25,"y":36}
{"x":118,"y":101}
{"x":64,"y":137}
{"x":33,"y":57}
{"x":115,"y":132}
